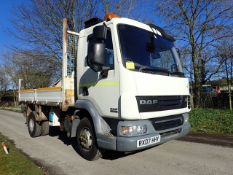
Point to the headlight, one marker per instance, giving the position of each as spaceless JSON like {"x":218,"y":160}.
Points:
{"x":186,"y":119}
{"x":133,"y":130}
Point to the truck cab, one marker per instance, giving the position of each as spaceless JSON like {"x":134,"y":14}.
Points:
{"x":125,"y":71}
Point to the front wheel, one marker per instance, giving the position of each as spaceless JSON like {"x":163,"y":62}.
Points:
{"x":86,"y":141}
{"x":34,"y":128}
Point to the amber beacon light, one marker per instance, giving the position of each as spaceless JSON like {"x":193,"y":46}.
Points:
{"x":110,"y":15}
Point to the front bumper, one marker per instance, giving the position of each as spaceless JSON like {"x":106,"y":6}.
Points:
{"x":124,"y":143}
{"x":130,"y":143}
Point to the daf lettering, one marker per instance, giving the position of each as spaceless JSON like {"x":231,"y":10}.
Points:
{"x":148,"y":102}
{"x":142,"y":102}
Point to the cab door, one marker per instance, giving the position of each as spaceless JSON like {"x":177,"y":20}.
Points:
{"x":101,"y":84}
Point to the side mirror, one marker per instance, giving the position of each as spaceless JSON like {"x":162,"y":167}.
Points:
{"x":100,"y":32}
{"x":96,"y":54}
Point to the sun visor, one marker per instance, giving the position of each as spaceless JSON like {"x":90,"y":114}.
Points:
{"x":164,"y":34}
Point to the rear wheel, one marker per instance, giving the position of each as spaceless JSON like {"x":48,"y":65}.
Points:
{"x":45,"y":128}
{"x":34,"y":128}
{"x":86,"y":141}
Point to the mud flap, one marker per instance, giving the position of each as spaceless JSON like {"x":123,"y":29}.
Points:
{"x":74,"y":126}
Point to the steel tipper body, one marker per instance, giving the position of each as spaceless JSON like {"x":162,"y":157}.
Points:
{"x":131,"y":90}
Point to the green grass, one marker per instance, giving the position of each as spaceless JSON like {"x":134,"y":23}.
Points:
{"x":211,"y":121}
{"x":15,"y":163}
{"x":11,"y":108}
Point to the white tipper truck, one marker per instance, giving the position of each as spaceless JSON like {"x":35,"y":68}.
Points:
{"x":128,"y":92}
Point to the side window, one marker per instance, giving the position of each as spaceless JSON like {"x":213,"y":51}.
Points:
{"x":109,"y":56}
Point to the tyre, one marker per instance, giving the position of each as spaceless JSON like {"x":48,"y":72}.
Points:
{"x":34,"y":128}
{"x":45,"y":128}
{"x":25,"y":115}
{"x":86,"y":140}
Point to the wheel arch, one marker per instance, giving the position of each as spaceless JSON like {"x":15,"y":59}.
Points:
{"x":86,"y":109}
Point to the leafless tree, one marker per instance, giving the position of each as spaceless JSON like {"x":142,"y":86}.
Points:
{"x":226,"y":52}
{"x":4,"y":82}
{"x":39,"y":25}
{"x":198,"y":25}
{"x":31,"y":66}
{"x":127,"y":8}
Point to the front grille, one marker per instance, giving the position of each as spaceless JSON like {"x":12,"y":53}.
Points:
{"x":161,"y":103}
{"x":164,"y":123}
{"x":169,"y":102}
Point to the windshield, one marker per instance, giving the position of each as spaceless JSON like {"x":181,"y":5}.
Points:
{"x":142,"y":49}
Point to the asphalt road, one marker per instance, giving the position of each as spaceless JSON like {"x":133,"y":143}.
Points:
{"x":57,"y":154}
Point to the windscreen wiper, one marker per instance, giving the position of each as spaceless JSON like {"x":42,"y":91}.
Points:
{"x":154,"y":71}
{"x":178,"y":74}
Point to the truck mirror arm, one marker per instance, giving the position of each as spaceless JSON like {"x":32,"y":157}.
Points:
{"x":104,"y":73}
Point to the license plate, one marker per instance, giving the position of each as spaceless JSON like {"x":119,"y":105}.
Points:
{"x":148,"y":141}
